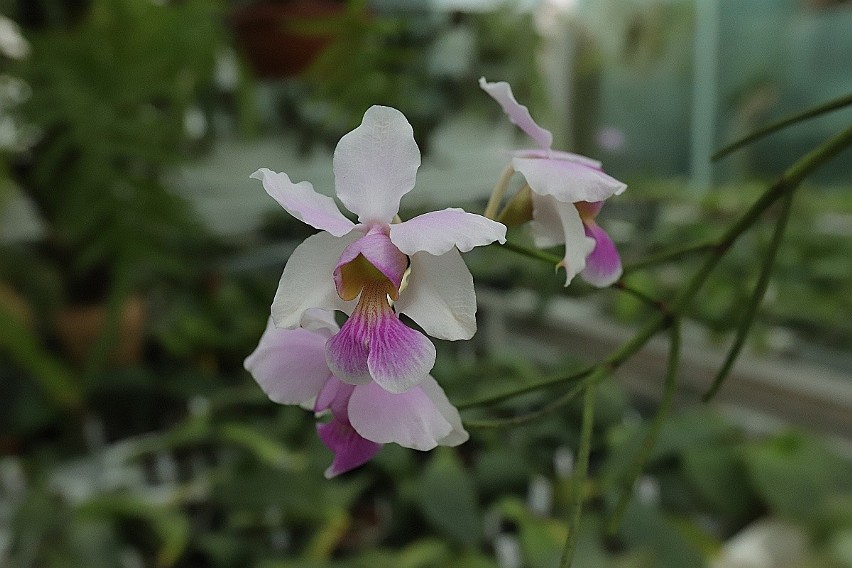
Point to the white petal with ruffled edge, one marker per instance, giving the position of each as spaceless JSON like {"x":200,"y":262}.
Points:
{"x":308,"y":281}
{"x":577,"y":244}
{"x":567,"y":180}
{"x":289,"y":364}
{"x":302,"y":202}
{"x":440,"y":296}
{"x":501,"y":92}
{"x":437,"y":232}
{"x":376,"y":164}
{"x":410,"y":419}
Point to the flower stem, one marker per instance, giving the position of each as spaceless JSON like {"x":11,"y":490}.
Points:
{"x":756,"y":298}
{"x":656,"y":426}
{"x":579,"y":478}
{"x":499,"y":192}
{"x":543,"y":384}
{"x":668,"y":256}
{"x":532,"y":253}
{"x":843,"y":101}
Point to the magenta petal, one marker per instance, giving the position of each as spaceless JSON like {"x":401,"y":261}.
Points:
{"x":302,"y":202}
{"x":289,"y":364}
{"x":410,"y":419}
{"x":399,"y":357}
{"x":334,"y":396}
{"x":501,"y":92}
{"x":378,"y":249}
{"x":350,"y":449}
{"x":346,"y":352}
{"x":437,"y":232}
{"x":603,"y":265}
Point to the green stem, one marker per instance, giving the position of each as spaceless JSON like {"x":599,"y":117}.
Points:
{"x":843,"y":101}
{"x":532,"y":253}
{"x":551,"y":382}
{"x":498,"y":192}
{"x":756,"y":298}
{"x":656,"y":426}
{"x":548,"y":408}
{"x":580,"y":474}
{"x":668,"y":256}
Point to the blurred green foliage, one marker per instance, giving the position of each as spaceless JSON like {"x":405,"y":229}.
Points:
{"x":108,"y":102}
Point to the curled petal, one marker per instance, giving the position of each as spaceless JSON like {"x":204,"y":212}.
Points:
{"x":559,"y":155}
{"x":501,"y":92}
{"x":351,"y":275}
{"x":577,"y":244}
{"x":566,"y":180}
{"x":376,"y":164}
{"x":458,"y":435}
{"x":289,"y":364}
{"x":350,"y":449}
{"x":410,"y":419}
{"x":437,"y":232}
{"x":302,"y":202}
{"x":308,"y":281}
{"x":440,"y":296}
{"x":603,"y":265}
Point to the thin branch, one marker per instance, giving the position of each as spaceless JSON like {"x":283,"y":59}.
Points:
{"x":532,"y":253}
{"x":654,"y":432}
{"x":546,"y":383}
{"x":580,"y":474}
{"x":836,"y":104}
{"x":668,"y":256}
{"x":756,"y":298}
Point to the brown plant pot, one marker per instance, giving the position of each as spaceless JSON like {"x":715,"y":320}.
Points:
{"x":267,"y":33}
{"x":80,"y":327}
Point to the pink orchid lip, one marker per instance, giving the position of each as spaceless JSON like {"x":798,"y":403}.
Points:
{"x":374,"y":344}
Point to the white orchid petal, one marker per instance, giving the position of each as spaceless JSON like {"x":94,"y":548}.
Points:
{"x":501,"y":92}
{"x":302,"y":202}
{"x":437,"y":232}
{"x":289,"y":364}
{"x":308,"y":282}
{"x":376,"y":164}
{"x":568,"y":181}
{"x":440,"y":296}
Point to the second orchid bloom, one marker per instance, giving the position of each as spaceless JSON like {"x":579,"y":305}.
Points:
{"x":567,"y":192}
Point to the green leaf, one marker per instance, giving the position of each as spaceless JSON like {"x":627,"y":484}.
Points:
{"x":449,"y":500}
{"x":798,"y":477}
{"x":721,"y":478}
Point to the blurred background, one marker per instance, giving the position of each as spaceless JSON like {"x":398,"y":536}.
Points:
{"x":138,"y":262}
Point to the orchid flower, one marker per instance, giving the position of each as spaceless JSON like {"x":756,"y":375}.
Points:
{"x":567,"y":192}
{"x":359,"y":268}
{"x":290,"y":366}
